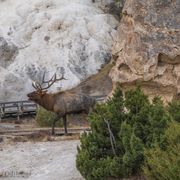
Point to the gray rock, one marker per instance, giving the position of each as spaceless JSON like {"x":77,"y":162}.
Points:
{"x":8,"y":51}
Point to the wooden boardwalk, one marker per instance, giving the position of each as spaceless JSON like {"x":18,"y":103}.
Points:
{"x":17,"y":109}
{"x":22,"y":108}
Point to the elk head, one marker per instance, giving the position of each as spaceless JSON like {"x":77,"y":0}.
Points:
{"x":41,"y":91}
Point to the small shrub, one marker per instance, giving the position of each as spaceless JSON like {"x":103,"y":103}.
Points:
{"x":45,"y":118}
{"x":164,"y":164}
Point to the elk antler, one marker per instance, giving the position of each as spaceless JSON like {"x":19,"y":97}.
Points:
{"x":49,"y":83}
{"x":52,"y":80}
{"x":36,"y":86}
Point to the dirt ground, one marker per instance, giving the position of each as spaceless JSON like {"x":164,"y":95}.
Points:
{"x":39,"y":161}
{"x":38,"y":156}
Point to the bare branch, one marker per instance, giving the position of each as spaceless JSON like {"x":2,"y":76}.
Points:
{"x":112,"y":138}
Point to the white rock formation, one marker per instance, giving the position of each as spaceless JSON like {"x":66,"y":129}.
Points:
{"x":47,"y":35}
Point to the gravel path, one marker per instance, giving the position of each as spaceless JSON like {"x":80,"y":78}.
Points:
{"x":40,"y":161}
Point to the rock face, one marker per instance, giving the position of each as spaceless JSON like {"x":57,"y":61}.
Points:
{"x":46,"y":35}
{"x":7,"y":52}
{"x":147,"y":49}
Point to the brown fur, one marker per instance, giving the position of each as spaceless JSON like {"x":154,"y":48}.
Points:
{"x":62,"y":103}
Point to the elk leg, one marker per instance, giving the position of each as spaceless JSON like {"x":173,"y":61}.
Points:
{"x":53,"y":125}
{"x":65,"y":124}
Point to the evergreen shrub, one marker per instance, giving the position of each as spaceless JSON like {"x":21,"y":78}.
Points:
{"x":164,"y":164}
{"x":121,"y":129}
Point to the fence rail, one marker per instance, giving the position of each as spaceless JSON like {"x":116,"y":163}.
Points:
{"x":17,"y":109}
{"x":21,"y":108}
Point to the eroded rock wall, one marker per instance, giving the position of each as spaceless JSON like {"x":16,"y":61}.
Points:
{"x":147,"y":50}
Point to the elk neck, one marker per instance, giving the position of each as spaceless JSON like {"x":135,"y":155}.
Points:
{"x":47,"y":101}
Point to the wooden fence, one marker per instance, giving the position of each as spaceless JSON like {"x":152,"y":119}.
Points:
{"x":17,"y":109}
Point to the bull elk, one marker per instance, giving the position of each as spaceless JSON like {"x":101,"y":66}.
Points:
{"x":61,"y":103}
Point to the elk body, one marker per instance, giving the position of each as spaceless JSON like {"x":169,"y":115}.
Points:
{"x":61,"y":103}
